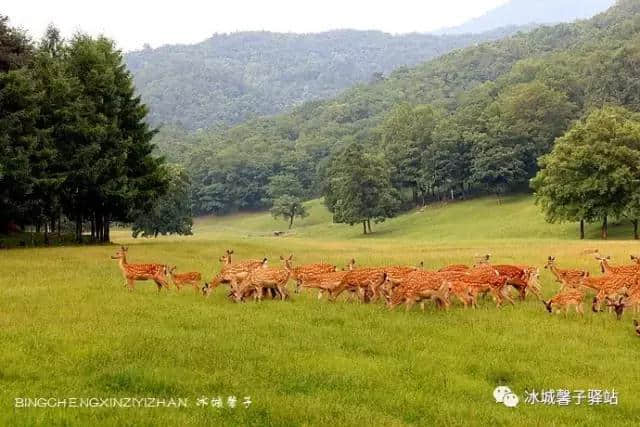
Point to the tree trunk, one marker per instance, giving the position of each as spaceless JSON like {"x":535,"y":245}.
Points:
{"x":106,"y":236}
{"x":635,"y":229}
{"x":93,"y":227}
{"x":498,"y":196}
{"x":291,"y":221}
{"x":364,"y":226}
{"x":79,"y":229}
{"x":582,"y":229}
{"x":369,"y":225}
{"x":59,"y":222}
{"x":46,"y":233}
{"x":605,"y":228}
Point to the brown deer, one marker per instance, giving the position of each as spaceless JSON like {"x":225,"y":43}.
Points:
{"x":360,"y":281}
{"x":232,"y":273}
{"x":133,"y":272}
{"x":325,"y":282}
{"x":607,"y":268}
{"x":522,"y":278}
{"x":180,"y":279}
{"x":633,"y":298}
{"x":420,"y":286}
{"x":566,"y":299}
{"x":570,"y":278}
{"x":393,"y":275}
{"x":608,"y":286}
{"x":267,"y":277}
{"x":304,"y":272}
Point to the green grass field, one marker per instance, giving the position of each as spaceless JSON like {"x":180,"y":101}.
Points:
{"x":68,"y":328}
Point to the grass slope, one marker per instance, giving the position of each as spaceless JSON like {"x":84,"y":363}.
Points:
{"x":69,"y":329}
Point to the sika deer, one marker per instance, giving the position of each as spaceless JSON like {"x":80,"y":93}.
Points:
{"x":232,"y":273}
{"x":566,"y":299}
{"x":456,"y":267}
{"x":133,"y":272}
{"x":262,"y":278}
{"x":607,"y":268}
{"x":301,"y":273}
{"x":419,"y":286}
{"x":568,"y":278}
{"x":180,"y":279}
{"x":618,"y":306}
{"x":608,"y":286}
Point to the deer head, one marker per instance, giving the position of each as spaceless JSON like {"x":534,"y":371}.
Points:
{"x":551,"y":262}
{"x":121,"y":253}
{"x":618,"y":306}
{"x":636,"y":325}
{"x":287,"y":261}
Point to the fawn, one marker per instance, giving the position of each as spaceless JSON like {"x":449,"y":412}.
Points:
{"x":566,"y":299}
{"x":133,"y":272}
{"x":180,"y":279}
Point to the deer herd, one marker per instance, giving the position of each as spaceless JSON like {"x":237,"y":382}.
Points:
{"x":618,"y":286}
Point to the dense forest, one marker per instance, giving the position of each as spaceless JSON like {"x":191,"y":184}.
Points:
{"x":230,"y":78}
{"x":522,"y":12}
{"x":75,"y":148}
{"x":473,"y":120}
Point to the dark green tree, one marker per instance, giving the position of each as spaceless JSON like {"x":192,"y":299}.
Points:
{"x":286,"y":195}
{"x":360,"y":189}
{"x":171,"y":213}
{"x":593,"y":169}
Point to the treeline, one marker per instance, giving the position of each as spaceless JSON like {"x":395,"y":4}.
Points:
{"x":230,"y":78}
{"x":475,"y":120}
{"x":74,"y":143}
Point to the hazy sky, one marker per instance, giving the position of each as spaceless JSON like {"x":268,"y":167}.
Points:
{"x":133,"y":22}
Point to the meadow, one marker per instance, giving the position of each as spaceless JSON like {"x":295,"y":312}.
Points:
{"x":68,"y":328}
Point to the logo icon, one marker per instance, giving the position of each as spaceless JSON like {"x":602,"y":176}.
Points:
{"x":503,"y":394}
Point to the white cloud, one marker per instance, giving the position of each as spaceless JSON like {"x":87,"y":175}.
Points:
{"x":132,"y":23}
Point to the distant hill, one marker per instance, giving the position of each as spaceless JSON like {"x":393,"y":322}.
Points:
{"x":230,"y":78}
{"x":522,"y":12}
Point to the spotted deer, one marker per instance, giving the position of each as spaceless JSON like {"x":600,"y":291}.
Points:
{"x":566,"y":299}
{"x":420,"y":286}
{"x":392,"y":275}
{"x":611,"y":285}
{"x":485,"y":279}
{"x":301,"y":273}
{"x":360,"y":281}
{"x":180,"y":279}
{"x":325,"y":283}
{"x":632,"y":298}
{"x":134,"y":272}
{"x":568,"y":278}
{"x":266,"y":277}
{"x":607,"y":268}
{"x":232,"y":273}
{"x":522,"y":278}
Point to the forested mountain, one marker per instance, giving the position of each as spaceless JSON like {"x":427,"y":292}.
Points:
{"x":522,"y":12}
{"x":474,"y":119}
{"x":230,"y":78}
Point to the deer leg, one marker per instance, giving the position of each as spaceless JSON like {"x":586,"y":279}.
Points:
{"x":319,"y":294}
{"x":131,"y":284}
{"x":410,"y":302}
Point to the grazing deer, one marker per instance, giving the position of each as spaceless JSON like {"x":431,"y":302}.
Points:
{"x":608,"y":286}
{"x":607,"y":268}
{"x":636,"y":325}
{"x":267,"y":277}
{"x":180,"y":279}
{"x":133,"y":272}
{"x":566,"y":299}
{"x":633,"y":298}
{"x":570,"y":278}
{"x":618,"y":306}
{"x":232,"y":273}
{"x":304,"y":272}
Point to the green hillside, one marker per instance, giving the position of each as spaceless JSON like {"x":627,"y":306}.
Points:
{"x":479,"y":219}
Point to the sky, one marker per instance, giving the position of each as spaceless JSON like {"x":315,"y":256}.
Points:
{"x":132,"y":23}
